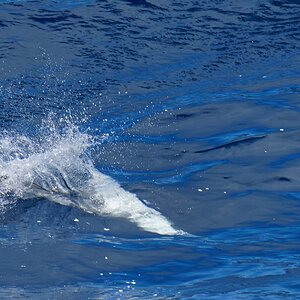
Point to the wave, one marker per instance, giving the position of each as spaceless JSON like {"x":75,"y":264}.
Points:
{"x":57,"y":166}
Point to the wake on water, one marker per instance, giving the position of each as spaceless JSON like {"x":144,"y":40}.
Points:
{"x":57,"y":167}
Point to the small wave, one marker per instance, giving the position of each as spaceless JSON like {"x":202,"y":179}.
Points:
{"x":57,"y":166}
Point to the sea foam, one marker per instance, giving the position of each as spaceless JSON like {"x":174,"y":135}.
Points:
{"x":56,"y":166}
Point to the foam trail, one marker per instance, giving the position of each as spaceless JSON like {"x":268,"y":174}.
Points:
{"x":57,"y":168}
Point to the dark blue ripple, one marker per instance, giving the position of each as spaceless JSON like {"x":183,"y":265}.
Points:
{"x":163,"y":177}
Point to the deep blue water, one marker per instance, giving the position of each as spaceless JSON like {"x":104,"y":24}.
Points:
{"x":191,"y":105}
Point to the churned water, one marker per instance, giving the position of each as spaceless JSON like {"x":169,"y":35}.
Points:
{"x":149,"y":149}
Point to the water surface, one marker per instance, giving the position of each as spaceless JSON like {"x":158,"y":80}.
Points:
{"x":192,"y":106}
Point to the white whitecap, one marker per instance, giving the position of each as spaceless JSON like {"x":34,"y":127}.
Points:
{"x":58,"y":169}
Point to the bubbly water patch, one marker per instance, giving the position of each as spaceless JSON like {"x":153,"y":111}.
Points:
{"x":56,"y":166}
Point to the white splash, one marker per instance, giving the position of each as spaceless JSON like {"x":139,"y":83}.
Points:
{"x":56,"y":167}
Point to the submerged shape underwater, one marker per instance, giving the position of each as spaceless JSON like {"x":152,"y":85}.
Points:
{"x":64,"y":174}
{"x":149,"y":150}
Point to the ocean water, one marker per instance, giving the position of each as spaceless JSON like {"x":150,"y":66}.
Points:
{"x":149,"y":149}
